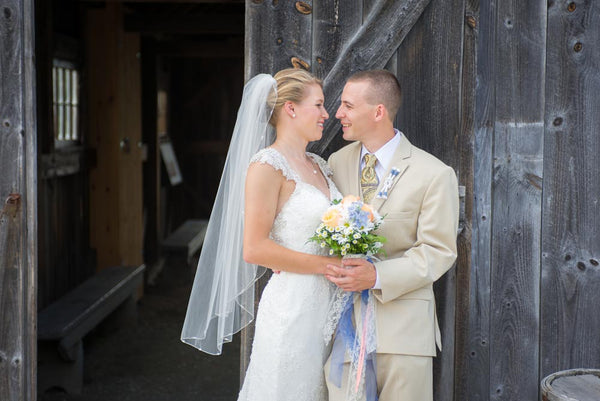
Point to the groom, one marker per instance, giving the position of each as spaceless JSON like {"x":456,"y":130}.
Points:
{"x":418,"y":195}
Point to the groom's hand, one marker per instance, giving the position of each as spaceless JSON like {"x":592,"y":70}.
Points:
{"x":354,"y":275}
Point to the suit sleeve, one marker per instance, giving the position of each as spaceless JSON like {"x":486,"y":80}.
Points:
{"x":434,"y":251}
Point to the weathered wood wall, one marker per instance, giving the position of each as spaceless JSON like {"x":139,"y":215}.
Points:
{"x":18,"y":186}
{"x":570,"y":229}
{"x":536,"y":241}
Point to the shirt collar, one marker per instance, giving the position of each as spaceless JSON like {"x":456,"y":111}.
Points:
{"x":385,"y":153}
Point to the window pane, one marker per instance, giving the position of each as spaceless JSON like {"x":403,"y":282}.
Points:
{"x":65,"y":101}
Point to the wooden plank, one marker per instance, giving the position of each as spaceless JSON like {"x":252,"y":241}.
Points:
{"x":430,"y":75}
{"x":370,"y":48}
{"x":289,"y":28}
{"x":130,"y":160}
{"x":516,"y":199}
{"x":276,"y":36}
{"x":571,"y":216}
{"x":334,"y":24}
{"x":18,"y":192}
{"x":259,"y":48}
{"x":103,"y":127}
{"x":465,"y":150}
{"x":392,"y":64}
{"x":114,"y":131}
{"x":475,"y":383}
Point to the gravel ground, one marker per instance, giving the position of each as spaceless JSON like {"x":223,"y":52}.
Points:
{"x":148,"y":361}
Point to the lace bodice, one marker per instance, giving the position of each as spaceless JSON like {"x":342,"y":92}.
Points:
{"x":302,"y":213}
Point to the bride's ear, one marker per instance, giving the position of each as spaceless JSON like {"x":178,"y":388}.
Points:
{"x":289,"y":109}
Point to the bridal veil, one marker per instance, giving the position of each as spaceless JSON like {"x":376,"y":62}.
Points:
{"x":222,"y":298}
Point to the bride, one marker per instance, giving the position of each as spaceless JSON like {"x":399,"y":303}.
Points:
{"x":286,"y":192}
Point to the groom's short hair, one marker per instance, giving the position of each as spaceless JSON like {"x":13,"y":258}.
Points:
{"x":384,"y":88}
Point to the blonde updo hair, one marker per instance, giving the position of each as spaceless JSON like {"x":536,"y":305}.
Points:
{"x":291,"y":87}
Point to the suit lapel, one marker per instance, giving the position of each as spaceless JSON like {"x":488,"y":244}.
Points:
{"x":354,"y":171}
{"x":400,"y":161}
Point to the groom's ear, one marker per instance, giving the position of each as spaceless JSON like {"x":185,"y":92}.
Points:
{"x":380,"y":112}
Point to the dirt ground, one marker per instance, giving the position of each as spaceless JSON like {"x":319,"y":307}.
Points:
{"x":148,"y":362}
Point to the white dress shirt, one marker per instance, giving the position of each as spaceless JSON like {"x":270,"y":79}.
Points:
{"x":384,"y":157}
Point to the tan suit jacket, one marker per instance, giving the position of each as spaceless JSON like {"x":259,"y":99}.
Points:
{"x":420,"y":224}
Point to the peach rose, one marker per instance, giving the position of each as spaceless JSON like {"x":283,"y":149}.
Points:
{"x":348,"y":199}
{"x":331,"y":217}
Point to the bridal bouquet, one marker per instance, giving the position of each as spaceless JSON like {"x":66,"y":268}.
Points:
{"x":347,"y":228}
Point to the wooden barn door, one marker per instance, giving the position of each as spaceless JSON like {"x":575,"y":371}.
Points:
{"x":430,"y":46}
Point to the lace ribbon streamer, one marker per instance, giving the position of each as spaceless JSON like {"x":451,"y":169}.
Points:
{"x":359,"y":343}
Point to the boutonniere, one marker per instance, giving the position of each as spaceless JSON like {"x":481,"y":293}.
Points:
{"x":388,"y":183}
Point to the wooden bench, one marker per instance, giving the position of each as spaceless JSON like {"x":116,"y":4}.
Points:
{"x":572,"y":385}
{"x":187,"y":239}
{"x":64,"y":323}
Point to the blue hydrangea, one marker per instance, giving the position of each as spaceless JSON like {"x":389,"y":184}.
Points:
{"x":358,"y":217}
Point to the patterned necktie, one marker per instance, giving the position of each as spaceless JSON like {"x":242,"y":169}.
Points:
{"x":368,"y":178}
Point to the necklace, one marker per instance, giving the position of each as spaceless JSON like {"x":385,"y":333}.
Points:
{"x":312,"y":163}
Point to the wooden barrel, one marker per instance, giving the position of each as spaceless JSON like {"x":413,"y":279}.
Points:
{"x":572,"y":385}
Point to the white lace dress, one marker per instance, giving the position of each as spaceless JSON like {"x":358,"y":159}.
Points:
{"x":289,"y":352}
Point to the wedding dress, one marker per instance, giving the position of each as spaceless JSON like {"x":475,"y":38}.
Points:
{"x":289,"y":351}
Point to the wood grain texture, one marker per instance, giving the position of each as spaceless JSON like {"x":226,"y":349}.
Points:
{"x":430,"y":116}
{"x":129,"y":176}
{"x":103,"y":127}
{"x":114,"y":116}
{"x":370,"y":48}
{"x":18,"y":223}
{"x":516,"y":199}
{"x":259,"y":44}
{"x":571,"y":207}
{"x":465,"y":143}
{"x":334,"y":23}
{"x":276,"y":32}
{"x":474,"y":379}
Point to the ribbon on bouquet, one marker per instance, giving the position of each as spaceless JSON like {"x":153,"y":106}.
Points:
{"x":360,"y":344}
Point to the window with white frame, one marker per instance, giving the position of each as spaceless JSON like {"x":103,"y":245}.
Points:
{"x":65,"y":101}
